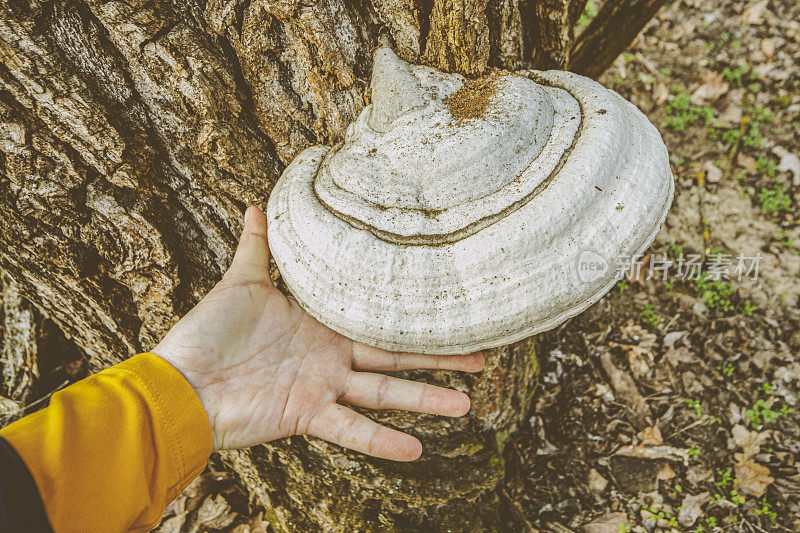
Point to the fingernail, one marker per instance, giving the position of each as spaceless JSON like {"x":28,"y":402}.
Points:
{"x":246,"y":215}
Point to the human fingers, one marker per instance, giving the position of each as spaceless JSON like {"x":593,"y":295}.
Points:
{"x":378,"y":391}
{"x":340,"y":425}
{"x":252,"y":253}
{"x":378,"y":360}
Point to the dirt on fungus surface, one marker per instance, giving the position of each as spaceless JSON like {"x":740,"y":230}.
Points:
{"x":673,"y":404}
{"x":472,"y":100}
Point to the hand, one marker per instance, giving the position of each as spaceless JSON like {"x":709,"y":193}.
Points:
{"x":264,"y":369}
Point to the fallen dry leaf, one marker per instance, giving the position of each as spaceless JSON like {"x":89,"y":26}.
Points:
{"x":749,"y":441}
{"x":661,"y":93}
{"x":610,"y":523}
{"x":258,"y":524}
{"x":713,"y":172}
{"x":699,"y":474}
{"x":746,"y":162}
{"x":173,"y":524}
{"x":596,"y":481}
{"x":650,"y":436}
{"x":753,"y":478}
{"x":215,"y":512}
{"x":8,"y":407}
{"x":666,"y":472}
{"x":635,"y":334}
{"x":789,"y":162}
{"x":732,"y":116}
{"x":678,"y":355}
{"x":713,"y":86}
{"x":754,"y":14}
{"x":672,"y":337}
{"x":691,"y":508}
{"x":638,"y":347}
{"x":625,"y":388}
{"x":768,"y":46}
{"x":655,"y":452}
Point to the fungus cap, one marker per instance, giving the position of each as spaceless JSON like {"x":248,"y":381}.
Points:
{"x":459,"y":215}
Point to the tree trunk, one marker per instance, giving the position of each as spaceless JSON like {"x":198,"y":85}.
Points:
{"x":132,"y":135}
{"x":21,"y":327}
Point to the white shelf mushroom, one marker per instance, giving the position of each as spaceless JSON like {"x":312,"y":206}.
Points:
{"x":460,"y":215}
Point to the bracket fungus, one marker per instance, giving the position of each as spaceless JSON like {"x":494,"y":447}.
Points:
{"x":459,"y":215}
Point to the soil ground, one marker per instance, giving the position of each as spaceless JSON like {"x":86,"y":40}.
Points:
{"x":673,"y":403}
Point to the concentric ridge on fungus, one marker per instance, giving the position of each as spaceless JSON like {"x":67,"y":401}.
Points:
{"x":459,"y":215}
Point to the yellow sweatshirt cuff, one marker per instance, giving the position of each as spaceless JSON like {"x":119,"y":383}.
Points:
{"x":111,"y":451}
{"x":178,"y":411}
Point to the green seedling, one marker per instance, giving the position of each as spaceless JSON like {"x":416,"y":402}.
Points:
{"x":766,"y":166}
{"x":716,"y":294}
{"x":774,"y":200}
{"x":753,"y":138}
{"x":650,"y":316}
{"x":734,"y":76}
{"x":694,"y":404}
{"x":622,"y":285}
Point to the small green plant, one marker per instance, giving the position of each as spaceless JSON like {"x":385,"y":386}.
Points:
{"x":727,"y":369}
{"x":764,"y":115}
{"x":670,"y":286}
{"x":740,"y":174}
{"x":675,"y":250}
{"x":762,"y":413}
{"x":766,"y":388}
{"x":589,"y":12}
{"x":693,"y":452}
{"x":628,"y":57}
{"x":748,"y":309}
{"x":622,"y":285}
{"x":731,"y":136}
{"x":734,"y":76}
{"x":736,"y":498}
{"x":694,"y":404}
{"x":661,"y":515}
{"x":753,"y":138}
{"x":765,"y":509}
{"x":785,"y":240}
{"x":650,"y":316}
{"x":766,"y":166}
{"x":667,"y":72}
{"x":726,"y":477}
{"x":683,"y":113}
{"x":716,"y":294}
{"x":774,"y":200}
{"x":754,"y":87}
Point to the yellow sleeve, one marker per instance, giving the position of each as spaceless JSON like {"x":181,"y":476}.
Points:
{"x":111,"y":451}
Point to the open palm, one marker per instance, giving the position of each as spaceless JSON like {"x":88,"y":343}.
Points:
{"x":264,"y":369}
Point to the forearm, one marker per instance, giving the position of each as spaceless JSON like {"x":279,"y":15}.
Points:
{"x":111,"y":451}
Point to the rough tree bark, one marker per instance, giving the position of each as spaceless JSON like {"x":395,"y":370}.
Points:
{"x":132,"y":135}
{"x":21,"y":327}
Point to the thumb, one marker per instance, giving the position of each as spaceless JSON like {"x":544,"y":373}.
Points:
{"x":252,"y":254}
